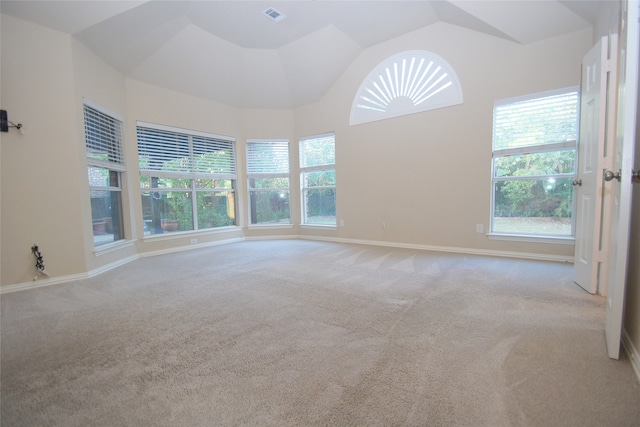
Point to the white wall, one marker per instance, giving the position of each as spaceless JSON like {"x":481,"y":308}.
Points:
{"x":42,"y":194}
{"x":153,"y":104}
{"x":426,"y":175}
{"x":99,"y":83}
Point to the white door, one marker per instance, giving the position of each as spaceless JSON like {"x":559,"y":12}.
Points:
{"x":625,"y":140}
{"x":588,"y":184}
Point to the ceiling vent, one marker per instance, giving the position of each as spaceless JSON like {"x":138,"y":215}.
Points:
{"x":274,"y":14}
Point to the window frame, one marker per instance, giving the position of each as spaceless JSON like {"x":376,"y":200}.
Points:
{"x":550,"y":147}
{"x":191,"y":174}
{"x":251,"y":175}
{"x":110,"y":143}
{"x":304,"y":169}
{"x":422,"y":79}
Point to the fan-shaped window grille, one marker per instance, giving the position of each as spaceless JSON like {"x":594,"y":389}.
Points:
{"x":406,"y":83}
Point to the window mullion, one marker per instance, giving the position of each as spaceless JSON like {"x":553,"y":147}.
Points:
{"x":531,"y":149}
{"x":534,"y":177}
{"x":194,"y":203}
{"x":106,"y":188}
{"x":321,"y":168}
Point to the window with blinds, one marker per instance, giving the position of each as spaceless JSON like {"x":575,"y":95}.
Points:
{"x":534,"y":163}
{"x":317,"y":151}
{"x":187,"y":178}
{"x":105,"y":161}
{"x":267,"y":157}
{"x":536,"y":121}
{"x":318,"y":180}
{"x":103,"y":137}
{"x":185,"y":154}
{"x":269,"y":184}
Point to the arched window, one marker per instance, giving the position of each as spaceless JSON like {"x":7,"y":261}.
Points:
{"x":406,"y":83}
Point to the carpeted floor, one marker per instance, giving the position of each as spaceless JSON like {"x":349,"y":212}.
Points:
{"x":303,"y":333}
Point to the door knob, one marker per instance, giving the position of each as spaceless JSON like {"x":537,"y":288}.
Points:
{"x":635,"y":176}
{"x":609,"y":175}
{"x":577,"y":182}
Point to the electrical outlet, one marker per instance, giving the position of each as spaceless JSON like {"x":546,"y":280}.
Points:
{"x":479,"y":228}
{"x":193,"y":241}
{"x":384,"y":225}
{"x":342,"y":223}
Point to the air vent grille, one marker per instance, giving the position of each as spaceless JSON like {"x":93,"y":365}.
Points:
{"x":274,"y":14}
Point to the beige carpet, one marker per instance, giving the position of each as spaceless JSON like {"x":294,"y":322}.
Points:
{"x":302,"y":333}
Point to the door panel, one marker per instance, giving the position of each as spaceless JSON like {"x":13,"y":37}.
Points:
{"x":622,"y":191}
{"x":590,"y":161}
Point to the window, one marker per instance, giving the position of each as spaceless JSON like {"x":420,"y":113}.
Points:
{"x":103,"y":137}
{"x":409,"y":82}
{"x":268,"y":175}
{"x":318,"y":180}
{"x":188,"y":179}
{"x":534,"y":163}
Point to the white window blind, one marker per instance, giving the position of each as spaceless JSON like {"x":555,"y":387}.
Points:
{"x":184,"y":154}
{"x":530,"y":122}
{"x":103,"y":137}
{"x":267,"y":157}
{"x":319,"y":151}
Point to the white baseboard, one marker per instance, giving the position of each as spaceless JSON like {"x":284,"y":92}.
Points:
{"x":42,"y":282}
{"x":287,"y":237}
{"x":469,"y":251}
{"x":632,"y":352}
{"x":64,"y":279}
{"x":449,"y":249}
{"x":112,"y":265}
{"x":189,"y":247}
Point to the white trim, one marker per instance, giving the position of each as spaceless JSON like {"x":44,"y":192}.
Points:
{"x":189,"y":247}
{"x":448,"y":249}
{"x":112,"y":265}
{"x":269,"y":226}
{"x":318,"y":136}
{"x":103,"y":110}
{"x":184,"y":131}
{"x":533,"y":177}
{"x":267,"y":140}
{"x":536,"y":149}
{"x":280,"y":237}
{"x":316,"y":226}
{"x":632,"y":352}
{"x":187,"y":175}
{"x":112,"y":247}
{"x":93,"y":163}
{"x":64,"y":279}
{"x":94,"y":188}
{"x":41,"y":283}
{"x":530,"y":96}
{"x":318,"y":168}
{"x":481,"y":252}
{"x":189,"y":233}
{"x":402,"y":76}
{"x":558,"y":240}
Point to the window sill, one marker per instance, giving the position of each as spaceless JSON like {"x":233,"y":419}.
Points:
{"x":557,"y":240}
{"x":183,"y":234}
{"x":316,"y":226}
{"x":268,"y":226}
{"x":112,"y":247}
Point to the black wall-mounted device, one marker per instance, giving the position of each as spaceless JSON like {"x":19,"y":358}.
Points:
{"x":4,"y":121}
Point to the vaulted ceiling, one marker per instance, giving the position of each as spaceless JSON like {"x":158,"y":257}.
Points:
{"x":232,"y":52}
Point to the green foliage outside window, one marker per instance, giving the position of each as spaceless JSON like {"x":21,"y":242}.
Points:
{"x":531,"y":197}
